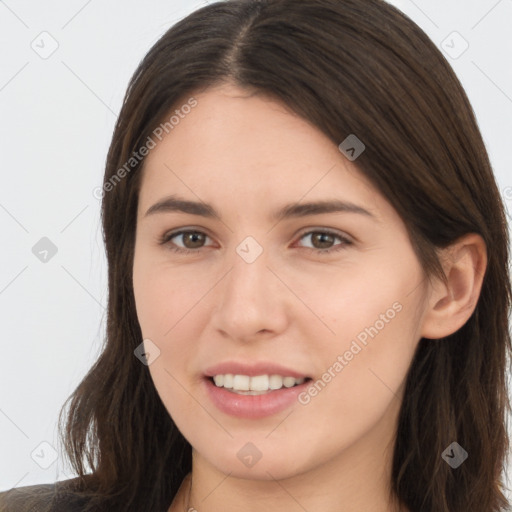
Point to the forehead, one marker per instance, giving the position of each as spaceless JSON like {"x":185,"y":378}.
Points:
{"x":229,"y":122}
{"x":235,"y":145}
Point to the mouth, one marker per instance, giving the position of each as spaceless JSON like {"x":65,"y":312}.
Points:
{"x":253,"y":389}
{"x":271,"y":394}
{"x":255,"y":385}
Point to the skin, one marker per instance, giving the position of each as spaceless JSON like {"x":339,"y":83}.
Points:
{"x":248,"y":155}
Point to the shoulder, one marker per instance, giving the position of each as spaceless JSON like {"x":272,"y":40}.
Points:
{"x":51,"y":497}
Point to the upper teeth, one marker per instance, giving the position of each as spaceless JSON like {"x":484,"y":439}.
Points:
{"x":258,"y":383}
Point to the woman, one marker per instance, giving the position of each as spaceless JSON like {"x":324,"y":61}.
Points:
{"x":308,"y":277}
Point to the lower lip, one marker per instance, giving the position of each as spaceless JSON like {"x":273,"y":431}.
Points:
{"x":253,"y":406}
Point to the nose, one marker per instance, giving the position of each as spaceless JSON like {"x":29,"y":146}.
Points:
{"x":251,"y":300}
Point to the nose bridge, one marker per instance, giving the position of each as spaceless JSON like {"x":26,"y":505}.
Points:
{"x":249,"y":275}
{"x":248,"y":300}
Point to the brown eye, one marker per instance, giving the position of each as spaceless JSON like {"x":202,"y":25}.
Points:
{"x":192,"y":240}
{"x":324,"y":241}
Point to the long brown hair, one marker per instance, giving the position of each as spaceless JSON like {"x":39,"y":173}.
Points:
{"x":349,"y":67}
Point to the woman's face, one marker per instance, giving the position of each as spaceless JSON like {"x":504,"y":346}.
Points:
{"x":257,"y":294}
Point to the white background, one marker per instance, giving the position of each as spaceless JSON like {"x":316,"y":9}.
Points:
{"x":56,"y":121}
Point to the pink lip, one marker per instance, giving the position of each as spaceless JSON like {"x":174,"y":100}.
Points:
{"x":252,"y":370}
{"x":253,"y":406}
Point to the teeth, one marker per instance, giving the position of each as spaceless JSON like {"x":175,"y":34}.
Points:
{"x":241,"y":382}
{"x":288,"y":382}
{"x":255,"y":385}
{"x":275,"y":382}
{"x":228,"y":381}
{"x":259,"y":383}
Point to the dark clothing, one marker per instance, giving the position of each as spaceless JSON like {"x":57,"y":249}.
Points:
{"x":40,"y":498}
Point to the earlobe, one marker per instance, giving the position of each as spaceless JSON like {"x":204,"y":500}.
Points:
{"x":451,"y":303}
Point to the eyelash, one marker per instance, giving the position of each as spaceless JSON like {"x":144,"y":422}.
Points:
{"x":166,"y":238}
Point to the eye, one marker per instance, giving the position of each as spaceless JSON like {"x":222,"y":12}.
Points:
{"x":326,"y":238}
{"x":194,"y":240}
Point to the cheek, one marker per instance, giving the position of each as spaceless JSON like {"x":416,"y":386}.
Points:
{"x":165,"y":297}
{"x":364,"y":361}
{"x":170,"y":306}
{"x":350,"y":298}
{"x":361,"y":384}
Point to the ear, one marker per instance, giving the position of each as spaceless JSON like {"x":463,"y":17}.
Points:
{"x":450,"y":304}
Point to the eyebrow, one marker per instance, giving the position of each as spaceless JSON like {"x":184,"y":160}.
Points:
{"x":174,"y":203}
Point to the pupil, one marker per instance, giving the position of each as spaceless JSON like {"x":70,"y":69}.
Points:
{"x":321,"y":235}
{"x":194,"y":235}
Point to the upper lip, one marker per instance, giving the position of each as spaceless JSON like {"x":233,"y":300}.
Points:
{"x":252,"y":369}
